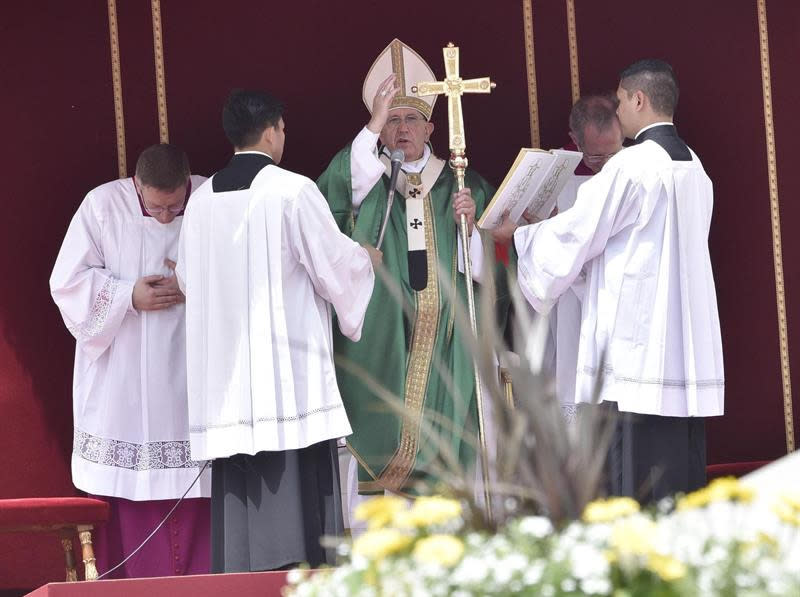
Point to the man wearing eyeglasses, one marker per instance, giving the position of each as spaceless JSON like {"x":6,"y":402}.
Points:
{"x":114,"y":284}
{"x":419,"y":355}
{"x":594,"y":130}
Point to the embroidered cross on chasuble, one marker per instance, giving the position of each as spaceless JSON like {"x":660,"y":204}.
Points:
{"x":415,"y":188}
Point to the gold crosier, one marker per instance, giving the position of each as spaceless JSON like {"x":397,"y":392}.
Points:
{"x":454,"y":87}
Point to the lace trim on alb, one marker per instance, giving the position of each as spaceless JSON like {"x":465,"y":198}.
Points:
{"x":136,"y":457}
{"x":249,"y":422}
{"x":98,"y":314}
{"x":660,"y":381}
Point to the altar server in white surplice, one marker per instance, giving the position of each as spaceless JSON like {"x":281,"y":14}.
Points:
{"x":595,"y":131}
{"x":114,"y":285}
{"x":262,"y":264}
{"x":640,"y":228}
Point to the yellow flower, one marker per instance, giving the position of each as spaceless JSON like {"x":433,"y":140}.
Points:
{"x":379,"y":511}
{"x":730,"y":489}
{"x":792,"y":500}
{"x":788,"y":508}
{"x":444,"y":550}
{"x":610,"y":509}
{"x":633,"y":536}
{"x":764,"y":541}
{"x":719,"y":490}
{"x":767,"y":539}
{"x":427,"y":511}
{"x":696,"y":499}
{"x":379,"y":543}
{"x":667,"y":567}
{"x":403,"y":519}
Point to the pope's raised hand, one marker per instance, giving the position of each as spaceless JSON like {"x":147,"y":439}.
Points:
{"x":381,"y":102}
{"x":463,"y":204}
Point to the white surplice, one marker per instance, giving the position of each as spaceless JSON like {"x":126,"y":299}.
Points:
{"x":639,"y":229}
{"x":261,"y":268}
{"x":565,"y":319}
{"x":129,"y":390}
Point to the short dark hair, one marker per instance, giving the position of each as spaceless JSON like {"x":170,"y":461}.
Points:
{"x":247,"y":114}
{"x":597,"y":110}
{"x":656,"y":79}
{"x":164,"y":167}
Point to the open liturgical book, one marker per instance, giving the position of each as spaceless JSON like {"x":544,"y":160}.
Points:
{"x":532,"y":185}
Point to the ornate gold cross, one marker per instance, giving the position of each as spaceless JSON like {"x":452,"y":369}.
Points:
{"x":454,"y":87}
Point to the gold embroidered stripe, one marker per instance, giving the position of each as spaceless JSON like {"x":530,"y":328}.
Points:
{"x":777,"y":251}
{"x":398,"y":66}
{"x":530,"y":63}
{"x":161,"y":85}
{"x":397,"y":471}
{"x":572,"y":37}
{"x":116,"y":82}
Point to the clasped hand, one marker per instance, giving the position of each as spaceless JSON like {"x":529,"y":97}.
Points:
{"x":152,"y":293}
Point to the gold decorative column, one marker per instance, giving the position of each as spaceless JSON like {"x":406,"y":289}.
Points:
{"x":116,"y":81}
{"x":572,"y":38}
{"x":530,"y":64}
{"x":161,"y":85}
{"x":777,"y":251}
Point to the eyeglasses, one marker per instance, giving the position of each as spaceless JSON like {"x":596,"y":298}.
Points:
{"x":598,"y":157}
{"x":157,"y":211}
{"x":410,"y":121}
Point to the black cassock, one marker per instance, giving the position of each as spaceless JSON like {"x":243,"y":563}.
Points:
{"x":269,"y":511}
{"x":653,"y":456}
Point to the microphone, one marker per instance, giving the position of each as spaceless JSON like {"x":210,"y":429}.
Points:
{"x":397,"y":158}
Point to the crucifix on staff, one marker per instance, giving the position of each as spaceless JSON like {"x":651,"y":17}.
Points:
{"x":454,"y":87}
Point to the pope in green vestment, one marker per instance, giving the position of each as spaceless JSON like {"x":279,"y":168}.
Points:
{"x":419,"y":356}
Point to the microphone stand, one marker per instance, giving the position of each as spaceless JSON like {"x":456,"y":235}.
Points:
{"x":397,"y":158}
{"x":389,"y":202}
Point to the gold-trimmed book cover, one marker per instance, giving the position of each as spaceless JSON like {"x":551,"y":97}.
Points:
{"x":532,"y":185}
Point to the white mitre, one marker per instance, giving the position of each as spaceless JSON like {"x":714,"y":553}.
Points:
{"x":410,"y":69}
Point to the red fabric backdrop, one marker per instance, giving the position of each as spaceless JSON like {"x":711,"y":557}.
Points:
{"x":60,"y":142}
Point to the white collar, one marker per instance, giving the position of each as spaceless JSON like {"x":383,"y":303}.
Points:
{"x":650,"y":126}
{"x":253,"y":151}
{"x":416,"y":166}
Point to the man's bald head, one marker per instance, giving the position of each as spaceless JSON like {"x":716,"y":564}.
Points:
{"x":595,"y":129}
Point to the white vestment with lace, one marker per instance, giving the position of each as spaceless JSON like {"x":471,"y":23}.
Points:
{"x":131,"y":437}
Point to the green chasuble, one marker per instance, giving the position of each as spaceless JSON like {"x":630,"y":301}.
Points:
{"x":418,"y":356}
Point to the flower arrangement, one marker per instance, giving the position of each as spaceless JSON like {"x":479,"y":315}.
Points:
{"x":720,"y":540}
{"x":546,"y":532}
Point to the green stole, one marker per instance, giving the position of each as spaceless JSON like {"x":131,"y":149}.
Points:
{"x":421,"y":360}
